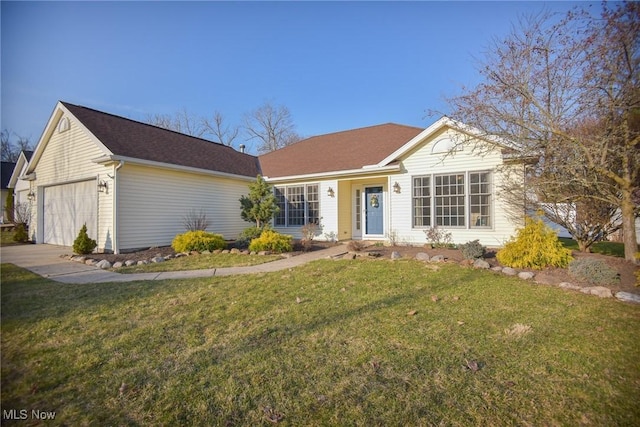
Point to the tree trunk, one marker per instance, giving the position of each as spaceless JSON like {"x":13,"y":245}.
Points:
{"x":629,"y":227}
{"x":584,"y":246}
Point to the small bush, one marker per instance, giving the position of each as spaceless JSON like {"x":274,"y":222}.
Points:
{"x":272,"y":241}
{"x":594,"y":271}
{"x":438,"y":238}
{"x":198,"y":240}
{"x":247,"y":235}
{"x":472,"y":250}
{"x":21,"y":235}
{"x":535,"y":246}
{"x":194,"y":221}
{"x":83,"y":243}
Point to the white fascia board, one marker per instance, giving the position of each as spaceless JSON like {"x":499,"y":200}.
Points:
{"x":17,"y":171}
{"x":366,"y":170}
{"x":105,"y":160}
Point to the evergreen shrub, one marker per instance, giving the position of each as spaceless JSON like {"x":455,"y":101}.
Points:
{"x":83,"y":243}
{"x":247,"y":235}
{"x":21,"y":235}
{"x":472,"y":250}
{"x":198,"y":240}
{"x":594,"y":271}
{"x":535,"y":246}
{"x":272,"y":241}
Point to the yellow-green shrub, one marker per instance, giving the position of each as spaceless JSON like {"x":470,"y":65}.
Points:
{"x":535,"y":246}
{"x":272,"y":241}
{"x":198,"y":241}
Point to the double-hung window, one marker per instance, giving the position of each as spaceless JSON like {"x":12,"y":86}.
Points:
{"x":452,"y":200}
{"x":299,"y":205}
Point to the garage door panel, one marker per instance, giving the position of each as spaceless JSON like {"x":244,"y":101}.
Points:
{"x":66,"y":208}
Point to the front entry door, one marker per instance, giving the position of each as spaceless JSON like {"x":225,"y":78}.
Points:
{"x":374,"y":211}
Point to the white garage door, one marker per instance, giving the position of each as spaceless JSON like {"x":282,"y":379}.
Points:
{"x":66,"y":208}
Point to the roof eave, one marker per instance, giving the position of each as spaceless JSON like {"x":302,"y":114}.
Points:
{"x":365,"y":170}
{"x":108,"y":159}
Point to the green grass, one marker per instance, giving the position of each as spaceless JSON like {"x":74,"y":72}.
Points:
{"x":201,"y":262}
{"x":605,"y":248}
{"x":330,"y":343}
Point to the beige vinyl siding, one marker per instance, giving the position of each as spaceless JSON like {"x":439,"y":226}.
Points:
{"x":423,"y":162}
{"x":152,"y":203}
{"x":67,"y":158}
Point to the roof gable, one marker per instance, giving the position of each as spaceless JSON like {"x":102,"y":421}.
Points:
{"x":6,"y":172}
{"x":20,"y":166}
{"x":339,"y":151}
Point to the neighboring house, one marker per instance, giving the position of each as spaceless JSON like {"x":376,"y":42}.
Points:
{"x":20,"y":187}
{"x":132,"y":183}
{"x":6,"y":169}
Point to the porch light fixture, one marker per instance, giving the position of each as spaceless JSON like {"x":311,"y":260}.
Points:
{"x":102,"y":187}
{"x":396,"y":188}
{"x":31,"y":195}
{"x":330,"y":192}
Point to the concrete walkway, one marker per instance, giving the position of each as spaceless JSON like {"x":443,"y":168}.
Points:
{"x":45,"y":261}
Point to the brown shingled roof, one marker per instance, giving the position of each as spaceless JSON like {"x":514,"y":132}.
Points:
{"x":347,"y":150}
{"x":125,"y":137}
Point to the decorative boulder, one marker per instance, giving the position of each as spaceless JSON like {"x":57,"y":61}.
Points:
{"x":157,"y":259}
{"x":395,"y":255}
{"x":509,"y":271}
{"x":480,"y":263}
{"x":628,"y":297}
{"x":422,"y":256}
{"x":117,"y":264}
{"x":526,"y":275}
{"x":437,"y":258}
{"x":104,"y":264}
{"x":599,"y":291}
{"x":129,"y":263}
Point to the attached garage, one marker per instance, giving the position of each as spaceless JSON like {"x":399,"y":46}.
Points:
{"x":66,"y":208}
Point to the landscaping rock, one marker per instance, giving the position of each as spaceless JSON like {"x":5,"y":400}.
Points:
{"x":509,"y":271}
{"x":395,"y":255}
{"x":104,"y":264}
{"x":349,"y":255}
{"x":81,"y":259}
{"x":117,"y":264}
{"x":206,"y":252}
{"x":226,"y":251}
{"x":143,"y":262}
{"x":129,"y":263}
{"x":194,"y":253}
{"x":168,"y":257}
{"x":90,"y":261}
{"x":180,"y":255}
{"x":157,"y":259}
{"x":438,"y":258}
{"x":599,"y":291}
{"x":497,"y":269}
{"x":245,"y":252}
{"x":628,"y":297}
{"x":526,"y":275}
{"x":480,"y":263}
{"x":253,"y":253}
{"x":261,"y":253}
{"x":422,"y":256}
{"x":567,"y":285}
{"x":235,"y":251}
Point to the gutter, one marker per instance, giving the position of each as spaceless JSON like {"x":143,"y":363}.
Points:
{"x":366,"y":170}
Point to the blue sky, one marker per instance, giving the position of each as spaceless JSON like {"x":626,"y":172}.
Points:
{"x":335,"y":65}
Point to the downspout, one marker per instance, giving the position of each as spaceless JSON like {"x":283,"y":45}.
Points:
{"x":116,"y":246}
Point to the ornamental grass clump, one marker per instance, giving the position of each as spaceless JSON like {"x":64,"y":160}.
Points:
{"x":472,"y":250}
{"x":535,"y":246}
{"x":198,"y":241}
{"x":272,"y":241}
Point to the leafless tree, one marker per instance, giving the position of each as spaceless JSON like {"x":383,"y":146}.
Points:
{"x":272,"y":126}
{"x":12,"y":145}
{"x":182,"y":121}
{"x":566,"y":93}
{"x":216,"y":127}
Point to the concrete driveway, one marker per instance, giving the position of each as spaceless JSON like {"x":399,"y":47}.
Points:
{"x":45,"y":261}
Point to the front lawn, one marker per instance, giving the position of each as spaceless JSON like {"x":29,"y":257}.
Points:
{"x":330,"y":343}
{"x":605,"y":248}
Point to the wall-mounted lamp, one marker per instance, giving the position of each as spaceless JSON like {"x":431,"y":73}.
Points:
{"x":102,"y":186}
{"x":31,"y":195}
{"x":330,"y":192}
{"x":396,"y":187}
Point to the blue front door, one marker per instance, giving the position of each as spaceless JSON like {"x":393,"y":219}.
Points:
{"x":374,"y":212}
